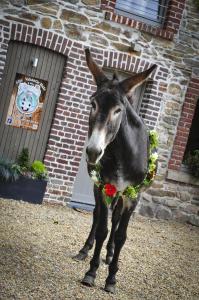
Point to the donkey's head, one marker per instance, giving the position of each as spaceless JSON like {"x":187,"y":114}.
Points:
{"x":108,"y":106}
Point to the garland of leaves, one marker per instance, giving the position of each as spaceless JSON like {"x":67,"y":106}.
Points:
{"x":131,"y":192}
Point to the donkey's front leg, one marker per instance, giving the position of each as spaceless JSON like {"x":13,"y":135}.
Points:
{"x":83,"y":253}
{"x":116,"y":215}
{"x":120,"y":238}
{"x":100,"y":236}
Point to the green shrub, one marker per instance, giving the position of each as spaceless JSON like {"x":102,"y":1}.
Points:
{"x":23,"y":159}
{"x":39,"y":170}
{"x":192,"y":161}
{"x":9,"y":171}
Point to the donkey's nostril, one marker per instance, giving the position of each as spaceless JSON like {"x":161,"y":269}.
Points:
{"x":93,"y":154}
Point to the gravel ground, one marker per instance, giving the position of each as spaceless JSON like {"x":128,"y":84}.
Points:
{"x":160,"y":259}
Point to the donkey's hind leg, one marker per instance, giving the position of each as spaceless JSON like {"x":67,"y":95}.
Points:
{"x":116,"y":215}
{"x":120,"y":238}
{"x":100,"y":236}
{"x":83,"y":253}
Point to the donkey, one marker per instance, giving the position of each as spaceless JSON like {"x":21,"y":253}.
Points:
{"x":119,"y":141}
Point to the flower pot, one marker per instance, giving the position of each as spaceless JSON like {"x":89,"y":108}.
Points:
{"x":26,"y":189}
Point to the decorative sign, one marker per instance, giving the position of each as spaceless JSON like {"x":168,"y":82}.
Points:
{"x":26,"y":102}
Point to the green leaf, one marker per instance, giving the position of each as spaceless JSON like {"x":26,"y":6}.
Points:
{"x":39,"y":170}
{"x":131,"y":191}
{"x":153,"y":137}
{"x":108,"y":200}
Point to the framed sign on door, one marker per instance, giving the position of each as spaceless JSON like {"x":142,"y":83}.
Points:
{"x":27,"y":99}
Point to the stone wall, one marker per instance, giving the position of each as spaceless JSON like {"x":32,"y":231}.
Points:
{"x":84,"y":23}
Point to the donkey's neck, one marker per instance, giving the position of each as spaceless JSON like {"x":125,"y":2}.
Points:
{"x":126,"y":158}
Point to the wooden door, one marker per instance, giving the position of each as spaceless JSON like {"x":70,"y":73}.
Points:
{"x":49,"y":68}
{"x":82,"y":196}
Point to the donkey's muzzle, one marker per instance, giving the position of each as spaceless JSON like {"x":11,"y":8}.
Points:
{"x":93,"y":155}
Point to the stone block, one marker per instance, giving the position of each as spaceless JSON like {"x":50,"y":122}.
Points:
{"x":46,"y":23}
{"x":74,"y":32}
{"x":189,"y":208}
{"x":196,"y":71}
{"x":11,"y":11}
{"x":57,"y":25}
{"x":121,"y":47}
{"x":170,"y":120}
{"x":19,"y":20}
{"x":146,"y":210}
{"x":4,"y":3}
{"x":174,"y":89}
{"x":196,"y":43}
{"x":147,"y":37}
{"x":157,"y":185}
{"x":48,"y":8}
{"x":146,"y":197}
{"x":74,"y":17}
{"x":108,"y":27}
{"x":161,"y":193}
{"x":18,"y":3}
{"x":195,"y":201}
{"x":158,"y":200}
{"x":163,"y":213}
{"x":192,"y":62}
{"x":173,"y":57}
{"x":96,"y":38}
{"x":32,"y":2}
{"x":29,"y":16}
{"x":194,"y":220}
{"x":111,"y":37}
{"x":91,"y":2}
{"x":181,"y":216}
{"x":171,"y":202}
{"x":72,"y":1}
{"x":172,"y":105}
{"x":184,"y":196}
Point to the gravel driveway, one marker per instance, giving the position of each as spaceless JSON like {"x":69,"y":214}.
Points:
{"x":160,"y":259}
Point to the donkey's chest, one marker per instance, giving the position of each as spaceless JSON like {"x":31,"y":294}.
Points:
{"x":120,"y":183}
{"x":118,"y":178}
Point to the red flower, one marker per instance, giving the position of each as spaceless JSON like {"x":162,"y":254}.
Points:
{"x":110,"y":190}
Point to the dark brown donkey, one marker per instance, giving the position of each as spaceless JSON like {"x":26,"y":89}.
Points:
{"x":119,"y":142}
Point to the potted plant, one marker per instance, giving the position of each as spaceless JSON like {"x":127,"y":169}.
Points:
{"x":22,"y":180}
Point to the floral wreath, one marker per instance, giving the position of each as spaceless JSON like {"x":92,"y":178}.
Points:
{"x":131,"y":192}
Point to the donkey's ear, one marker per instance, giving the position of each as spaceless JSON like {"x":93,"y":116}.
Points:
{"x":98,"y":74}
{"x":128,"y":85}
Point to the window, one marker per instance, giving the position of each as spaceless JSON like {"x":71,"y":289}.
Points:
{"x":148,"y":11}
{"x":193,"y":140}
{"x":189,"y":168}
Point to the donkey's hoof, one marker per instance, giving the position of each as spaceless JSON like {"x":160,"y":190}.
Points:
{"x":108,"y":260}
{"x":88,"y":280}
{"x":110,"y":288}
{"x":80,"y":256}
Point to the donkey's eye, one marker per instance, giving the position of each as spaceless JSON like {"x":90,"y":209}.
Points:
{"x":93,"y":105}
{"x":117,"y":111}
